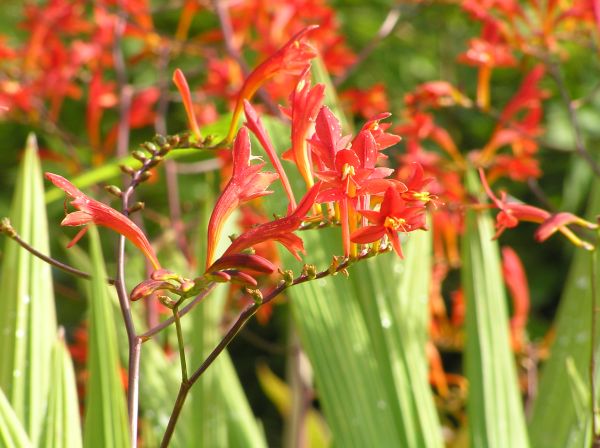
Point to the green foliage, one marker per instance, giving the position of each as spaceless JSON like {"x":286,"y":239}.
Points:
{"x":494,"y":405}
{"x":27,"y":316}
{"x":106,"y":412}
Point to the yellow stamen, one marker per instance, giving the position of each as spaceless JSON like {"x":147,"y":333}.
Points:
{"x":347,"y":170}
{"x":394,"y":223}
{"x":422,"y":196}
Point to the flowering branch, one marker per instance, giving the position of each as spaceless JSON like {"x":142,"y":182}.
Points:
{"x":309,"y":273}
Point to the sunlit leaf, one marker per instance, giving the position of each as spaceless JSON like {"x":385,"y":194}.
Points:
{"x":27,"y":316}
{"x":555,"y":406}
{"x":106,"y":411}
{"x":494,"y":405}
{"x":62,"y":425}
{"x":12,"y":433}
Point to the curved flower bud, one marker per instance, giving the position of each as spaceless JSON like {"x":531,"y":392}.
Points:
{"x":186,"y":97}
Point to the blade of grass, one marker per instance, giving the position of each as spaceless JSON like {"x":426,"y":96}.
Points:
{"x":494,"y":407}
{"x":106,"y":411}
{"x":27,"y":315}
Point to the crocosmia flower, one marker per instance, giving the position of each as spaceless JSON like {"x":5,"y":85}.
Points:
{"x":246,"y":183}
{"x":90,"y":211}
{"x":291,"y":59}
{"x":394,"y":216}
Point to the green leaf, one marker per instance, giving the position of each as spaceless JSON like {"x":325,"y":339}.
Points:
{"x":27,"y":315}
{"x":12,"y":433}
{"x":494,"y":406}
{"x":106,"y":412}
{"x":370,"y":371}
{"x":396,"y":315}
{"x":62,"y":424}
{"x":555,"y":406}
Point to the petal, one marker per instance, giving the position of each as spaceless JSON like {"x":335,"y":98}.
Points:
{"x":367,"y":234}
{"x":64,"y":185}
{"x":77,"y":219}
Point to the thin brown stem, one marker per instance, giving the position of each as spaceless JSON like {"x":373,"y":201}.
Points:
{"x":186,"y":309}
{"x":6,"y":228}
{"x":180,"y":344}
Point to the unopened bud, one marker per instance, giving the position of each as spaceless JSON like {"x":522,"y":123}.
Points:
{"x":144,"y":176}
{"x":160,"y":140}
{"x":173,"y":140}
{"x":287,"y":276}
{"x":139,"y":155}
{"x":114,"y":190}
{"x":310,"y":270}
{"x":167,"y":301}
{"x":136,"y":207}
{"x":6,"y":227}
{"x":155,"y":161}
{"x":127,"y":169}
{"x":150,"y":147}
{"x":187,"y":286}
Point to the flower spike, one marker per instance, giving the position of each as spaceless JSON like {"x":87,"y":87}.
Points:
{"x":95,"y":212}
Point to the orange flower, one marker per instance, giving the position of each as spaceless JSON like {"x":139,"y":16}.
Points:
{"x":292,"y":58}
{"x":91,"y":211}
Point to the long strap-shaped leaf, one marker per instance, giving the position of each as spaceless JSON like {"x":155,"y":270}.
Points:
{"x":62,"y":426}
{"x":393,"y":296}
{"x":556,"y":406}
{"x":494,"y":406}
{"x":362,"y":380}
{"x":27,"y":316}
{"x":106,"y":412}
{"x":12,"y":433}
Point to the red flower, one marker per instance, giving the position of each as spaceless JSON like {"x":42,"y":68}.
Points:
{"x":246,"y":183}
{"x":95,"y":212}
{"x":394,"y":216}
{"x":292,"y":58}
{"x":278,"y":230}
{"x":305,"y":105}
{"x":511,"y":213}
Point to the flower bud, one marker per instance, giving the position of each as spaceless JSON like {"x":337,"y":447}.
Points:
{"x":114,"y":190}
